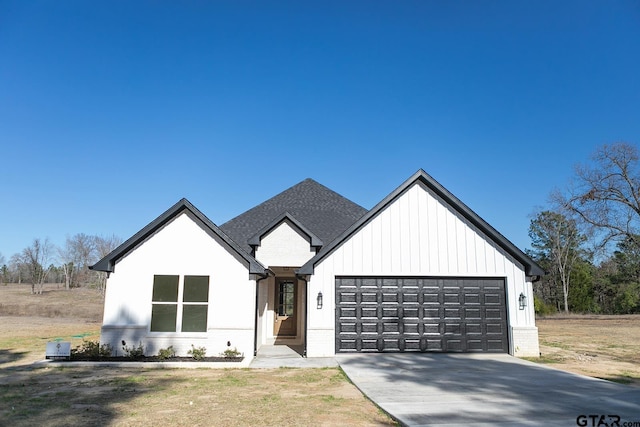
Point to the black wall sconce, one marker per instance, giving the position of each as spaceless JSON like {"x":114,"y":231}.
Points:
{"x":319,"y":300}
{"x":522,"y":301}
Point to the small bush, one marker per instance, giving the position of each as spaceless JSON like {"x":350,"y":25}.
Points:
{"x":198,"y":353}
{"x":91,"y":349}
{"x":133,"y":352}
{"x":166,"y":353}
{"x":230,"y":353}
{"x":542,"y":308}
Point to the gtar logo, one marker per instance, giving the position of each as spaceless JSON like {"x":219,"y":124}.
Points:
{"x":598,"y":420}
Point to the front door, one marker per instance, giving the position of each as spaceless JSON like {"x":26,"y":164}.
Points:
{"x":285,"y":319}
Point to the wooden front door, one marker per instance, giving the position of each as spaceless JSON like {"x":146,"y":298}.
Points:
{"x":285,"y":318}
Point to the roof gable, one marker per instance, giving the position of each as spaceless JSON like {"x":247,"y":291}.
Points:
{"x":317,"y":210}
{"x":256,"y":238}
{"x":531,"y":268}
{"x":107,"y":263}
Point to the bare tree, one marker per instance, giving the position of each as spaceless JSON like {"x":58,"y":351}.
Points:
{"x":65,"y":256}
{"x":35,"y":258}
{"x":3,"y":270}
{"x":82,"y":247}
{"x":606,"y":194}
{"x":75,"y":257}
{"x":104,"y":245}
{"x":16,"y":268}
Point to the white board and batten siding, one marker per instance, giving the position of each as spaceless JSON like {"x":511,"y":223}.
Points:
{"x":182,"y":247}
{"x":419,"y":235}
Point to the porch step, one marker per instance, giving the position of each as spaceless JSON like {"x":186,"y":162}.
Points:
{"x":288,"y":356}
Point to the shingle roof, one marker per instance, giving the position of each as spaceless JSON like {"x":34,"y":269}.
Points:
{"x":322,"y":211}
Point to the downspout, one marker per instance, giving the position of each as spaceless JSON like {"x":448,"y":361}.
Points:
{"x":255,"y":323}
{"x":306,"y":313}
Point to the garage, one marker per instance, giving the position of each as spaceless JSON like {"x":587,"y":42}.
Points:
{"x":441,"y":314}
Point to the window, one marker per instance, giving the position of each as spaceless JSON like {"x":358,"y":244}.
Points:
{"x":179,"y":307}
{"x":286,"y":298}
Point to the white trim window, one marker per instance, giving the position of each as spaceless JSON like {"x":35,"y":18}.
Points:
{"x":179,"y":305}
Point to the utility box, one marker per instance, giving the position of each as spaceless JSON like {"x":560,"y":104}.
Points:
{"x":58,"y":350}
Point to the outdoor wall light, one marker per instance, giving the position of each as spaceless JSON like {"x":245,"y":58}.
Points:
{"x":319,"y":300}
{"x":522,"y":301}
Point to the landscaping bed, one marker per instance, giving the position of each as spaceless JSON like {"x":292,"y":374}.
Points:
{"x":212,"y":359}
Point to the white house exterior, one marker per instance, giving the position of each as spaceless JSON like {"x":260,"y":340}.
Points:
{"x":312,"y":270}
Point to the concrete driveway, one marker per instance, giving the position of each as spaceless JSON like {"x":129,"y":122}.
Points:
{"x":433,"y":389}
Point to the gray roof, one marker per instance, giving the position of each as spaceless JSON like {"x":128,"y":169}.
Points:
{"x":319,"y":210}
{"x":531,"y":268}
{"x":108,"y":263}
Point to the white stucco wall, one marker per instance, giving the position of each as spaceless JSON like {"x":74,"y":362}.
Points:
{"x":419,"y":235}
{"x":182,"y":247}
{"x":285,"y":245}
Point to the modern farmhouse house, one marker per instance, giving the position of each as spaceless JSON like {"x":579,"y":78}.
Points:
{"x":309,"y":268}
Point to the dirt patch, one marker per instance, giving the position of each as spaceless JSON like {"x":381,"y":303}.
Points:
{"x":598,"y":346}
{"x":54,"y":302}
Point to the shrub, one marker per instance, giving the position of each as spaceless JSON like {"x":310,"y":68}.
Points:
{"x":166,"y":353}
{"x":91,"y":349}
{"x":230,"y":353}
{"x":133,"y":352}
{"x":542,"y":308}
{"x":198,"y":353}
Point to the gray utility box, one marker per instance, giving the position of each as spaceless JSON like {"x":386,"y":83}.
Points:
{"x":58,"y":350}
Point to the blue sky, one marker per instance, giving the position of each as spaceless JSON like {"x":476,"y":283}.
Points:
{"x":110,"y":112}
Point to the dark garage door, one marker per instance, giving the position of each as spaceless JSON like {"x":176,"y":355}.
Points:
{"x":420,"y":314}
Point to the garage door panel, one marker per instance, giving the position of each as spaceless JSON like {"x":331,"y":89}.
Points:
{"x":391,"y":312}
{"x":420,"y":314}
{"x":410,"y":297}
{"x":412,"y":312}
{"x":388,"y":297}
{"x":492,"y":299}
{"x":473,"y":329}
{"x":346,"y":328}
{"x":347,"y":298}
{"x":495,"y":328}
{"x":450,"y":298}
{"x":431,"y":297}
{"x":453,"y":344}
{"x":370,"y":312}
{"x":451,"y":328}
{"x":390,"y":327}
{"x":432,"y":329}
{"x":495,"y":345}
{"x":471,"y":298}
{"x":369,"y":297}
{"x":344,"y":312}
{"x":369,"y":344}
{"x":410,"y":328}
{"x":475,"y":345}
{"x":472,"y":313}
{"x":371,"y":328}
{"x":412,"y":345}
{"x":346,"y":345}
{"x":493,"y":314}
{"x":429,"y":312}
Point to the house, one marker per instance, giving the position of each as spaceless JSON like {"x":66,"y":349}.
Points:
{"x":420,"y":271}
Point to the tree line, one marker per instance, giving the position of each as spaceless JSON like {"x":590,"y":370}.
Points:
{"x":68,"y":265}
{"x":588,"y":238}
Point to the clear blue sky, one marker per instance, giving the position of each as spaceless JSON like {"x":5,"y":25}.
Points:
{"x":110,"y":112}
